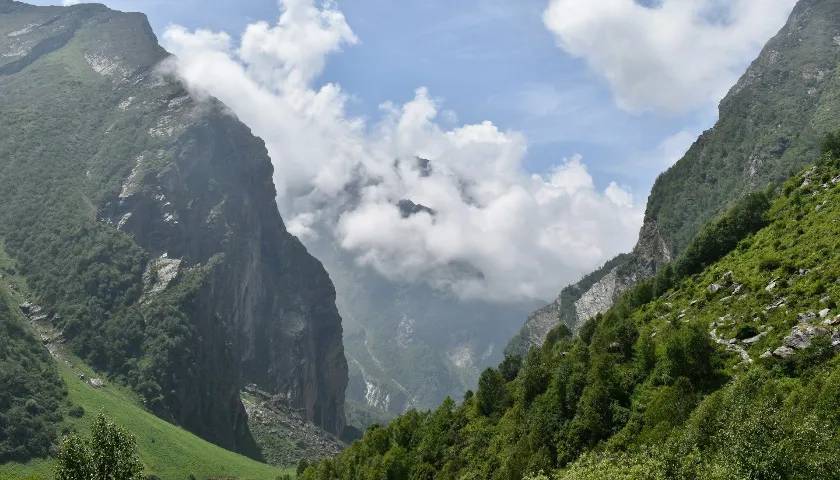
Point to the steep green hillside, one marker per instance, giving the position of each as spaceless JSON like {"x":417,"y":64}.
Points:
{"x":32,"y":397}
{"x":724,"y":366}
{"x":770,"y":124}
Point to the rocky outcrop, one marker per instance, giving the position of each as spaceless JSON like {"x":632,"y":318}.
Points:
{"x":537,"y":328}
{"x":593,"y":294}
{"x":600,"y":297}
{"x":651,"y":251}
{"x":185,"y":185}
{"x":803,"y":334}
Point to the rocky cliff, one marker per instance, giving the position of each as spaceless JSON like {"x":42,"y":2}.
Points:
{"x":145,"y":218}
{"x":770,"y":124}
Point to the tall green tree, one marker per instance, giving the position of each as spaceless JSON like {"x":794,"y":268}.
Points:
{"x":110,"y":453}
{"x":492,"y":393}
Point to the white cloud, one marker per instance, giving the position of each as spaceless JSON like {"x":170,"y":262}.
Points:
{"x":618,"y":195}
{"x":674,"y":56}
{"x":479,"y":224}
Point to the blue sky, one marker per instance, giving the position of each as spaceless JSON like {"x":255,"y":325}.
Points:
{"x":484,"y":59}
{"x":546,"y":121}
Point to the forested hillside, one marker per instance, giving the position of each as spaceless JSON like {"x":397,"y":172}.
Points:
{"x":32,"y":395}
{"x":724,"y":366}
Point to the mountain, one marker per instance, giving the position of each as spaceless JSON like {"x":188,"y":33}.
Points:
{"x":143,"y":219}
{"x":769,"y":126}
{"x":726,"y":365}
{"x":409,"y":344}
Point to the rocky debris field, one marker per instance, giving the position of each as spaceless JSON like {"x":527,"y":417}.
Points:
{"x":282,"y":433}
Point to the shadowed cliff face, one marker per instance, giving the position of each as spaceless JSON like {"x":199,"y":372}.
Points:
{"x":770,"y":124}
{"x":194,"y":287}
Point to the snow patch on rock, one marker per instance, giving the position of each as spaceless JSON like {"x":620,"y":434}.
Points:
{"x":125,"y":104}
{"x":462,"y":357}
{"x":23,"y":31}
{"x":164,"y":128}
{"x":377,"y":397}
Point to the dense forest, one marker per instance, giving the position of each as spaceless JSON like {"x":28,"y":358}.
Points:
{"x":32,"y":395}
{"x":719,"y":367}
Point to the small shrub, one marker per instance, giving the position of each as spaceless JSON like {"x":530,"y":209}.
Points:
{"x":76,"y":411}
{"x":769,"y":264}
{"x":745,"y":332}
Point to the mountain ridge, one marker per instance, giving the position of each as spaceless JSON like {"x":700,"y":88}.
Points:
{"x":769,"y":125}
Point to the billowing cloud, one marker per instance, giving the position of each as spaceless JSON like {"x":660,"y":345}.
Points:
{"x":666,"y":55}
{"x":417,"y":201}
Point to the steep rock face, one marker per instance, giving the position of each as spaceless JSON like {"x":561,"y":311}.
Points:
{"x":597,"y":289}
{"x":537,"y":327}
{"x":770,"y":124}
{"x":599,"y":298}
{"x":97,"y":143}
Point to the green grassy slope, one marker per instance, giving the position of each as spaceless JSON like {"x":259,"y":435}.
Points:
{"x":165,"y":449}
{"x":729,"y":373}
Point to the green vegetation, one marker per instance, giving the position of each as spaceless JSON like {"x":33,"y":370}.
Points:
{"x":770,"y":127}
{"x":676,"y":381}
{"x":85,"y":270}
{"x":31,"y":392}
{"x":27,"y":374}
{"x":167,"y":451}
{"x":65,"y":152}
{"x":723,"y":234}
{"x":136,"y":234}
{"x":109,"y":454}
